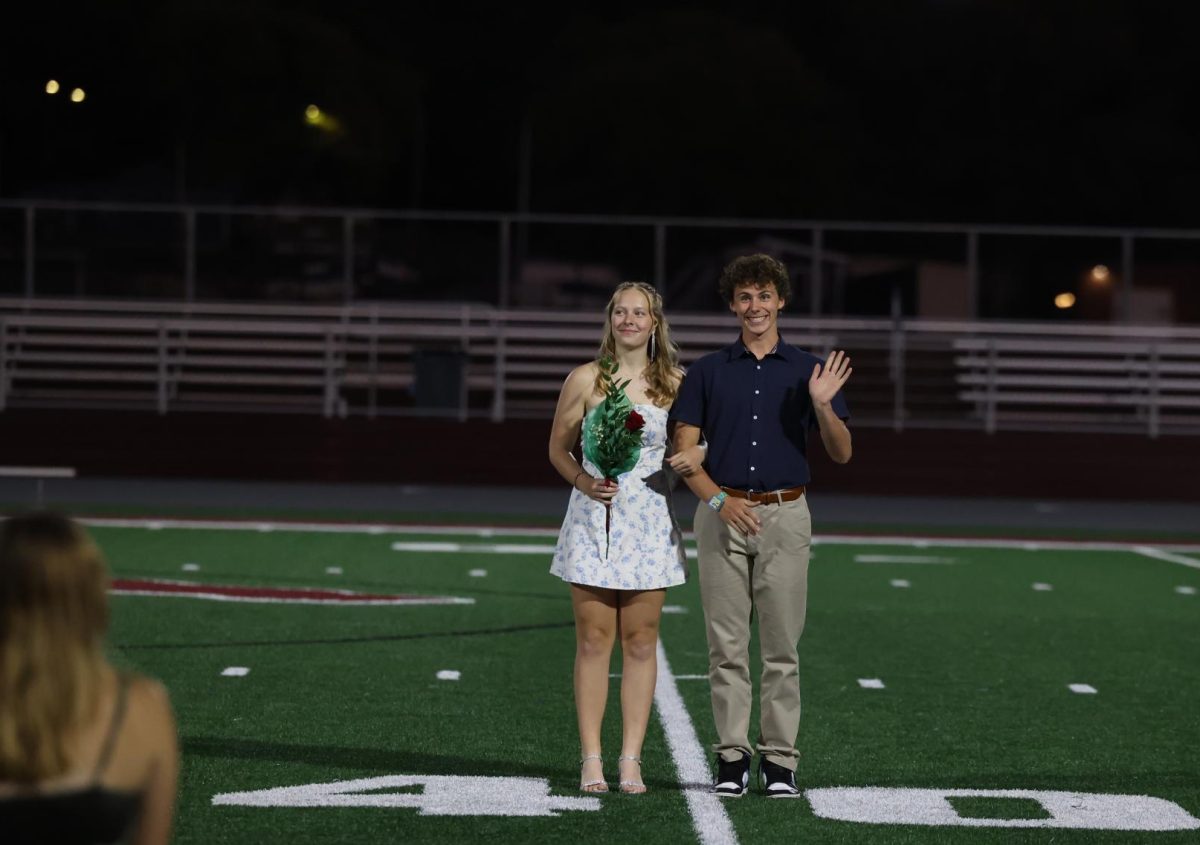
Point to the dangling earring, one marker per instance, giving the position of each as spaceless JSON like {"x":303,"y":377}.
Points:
{"x":651,"y":348}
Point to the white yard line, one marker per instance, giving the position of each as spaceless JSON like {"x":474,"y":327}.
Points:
{"x":476,"y":548}
{"x":901,"y":559}
{"x":712,"y":823}
{"x":1159,"y":554}
{"x":918,"y":542}
{"x":909,"y":541}
{"x":314,"y":527}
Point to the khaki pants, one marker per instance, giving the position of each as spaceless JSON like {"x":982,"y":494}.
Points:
{"x":766,"y":573}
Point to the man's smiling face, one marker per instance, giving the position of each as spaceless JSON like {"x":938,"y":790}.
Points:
{"x":757,"y":308}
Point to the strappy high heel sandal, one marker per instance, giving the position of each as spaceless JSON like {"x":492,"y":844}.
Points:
{"x":631,"y":787}
{"x":592,"y":786}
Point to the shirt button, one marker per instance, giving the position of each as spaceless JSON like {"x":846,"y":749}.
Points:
{"x":752,"y":469}
{"x":756,"y":393}
{"x":756,"y":416}
{"x":758,"y":367}
{"x":753,"y":442}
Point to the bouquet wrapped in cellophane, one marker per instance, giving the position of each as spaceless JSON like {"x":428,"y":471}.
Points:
{"x":612,"y":432}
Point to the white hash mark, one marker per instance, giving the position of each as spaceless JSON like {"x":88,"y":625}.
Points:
{"x":902,"y":559}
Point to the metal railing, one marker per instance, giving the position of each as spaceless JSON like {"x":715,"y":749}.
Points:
{"x":478,"y":361}
{"x":497,"y":246}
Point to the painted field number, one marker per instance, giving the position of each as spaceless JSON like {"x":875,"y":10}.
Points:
{"x":433,"y":795}
{"x":1075,"y":810}
{"x":444,"y":795}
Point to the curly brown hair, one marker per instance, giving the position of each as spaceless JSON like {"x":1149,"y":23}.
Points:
{"x":757,"y":270}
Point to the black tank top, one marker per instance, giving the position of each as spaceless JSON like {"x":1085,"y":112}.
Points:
{"x":89,"y":816}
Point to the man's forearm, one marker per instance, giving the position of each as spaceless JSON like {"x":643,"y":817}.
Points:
{"x":700,"y":483}
{"x":834,"y":434}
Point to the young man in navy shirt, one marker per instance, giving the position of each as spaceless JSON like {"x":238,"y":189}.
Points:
{"x":755,"y":402}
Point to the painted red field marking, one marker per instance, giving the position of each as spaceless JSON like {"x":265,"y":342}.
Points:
{"x":286,"y":595}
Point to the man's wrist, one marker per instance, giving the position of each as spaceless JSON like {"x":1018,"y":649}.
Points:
{"x":717,"y":501}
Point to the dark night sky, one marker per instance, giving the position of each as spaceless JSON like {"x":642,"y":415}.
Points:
{"x":1070,"y":112}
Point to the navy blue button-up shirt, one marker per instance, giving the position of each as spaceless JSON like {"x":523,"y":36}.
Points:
{"x":755,"y":415}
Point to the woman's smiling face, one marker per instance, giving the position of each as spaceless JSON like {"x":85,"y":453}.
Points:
{"x":632,"y":321}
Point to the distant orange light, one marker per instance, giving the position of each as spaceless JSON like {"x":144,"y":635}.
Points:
{"x":78,"y":95}
{"x":52,"y":86}
{"x":1064,"y":301}
{"x":1100,"y":274}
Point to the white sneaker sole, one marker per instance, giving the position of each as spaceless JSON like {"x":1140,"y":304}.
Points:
{"x":715,"y":790}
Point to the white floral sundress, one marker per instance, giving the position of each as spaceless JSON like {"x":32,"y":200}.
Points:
{"x":644,"y":545}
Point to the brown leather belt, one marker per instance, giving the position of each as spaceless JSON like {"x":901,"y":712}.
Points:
{"x":775,"y":497}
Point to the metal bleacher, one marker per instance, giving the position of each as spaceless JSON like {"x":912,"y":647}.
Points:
{"x":366,"y":359}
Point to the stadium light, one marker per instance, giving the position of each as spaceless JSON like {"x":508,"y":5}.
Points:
{"x":1064,"y":301}
{"x":318,"y":119}
{"x":52,"y":86}
{"x":78,"y":95}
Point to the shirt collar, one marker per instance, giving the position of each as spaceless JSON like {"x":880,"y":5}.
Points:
{"x":781,"y":350}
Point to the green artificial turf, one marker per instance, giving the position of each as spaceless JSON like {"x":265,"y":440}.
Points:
{"x":975,"y":664}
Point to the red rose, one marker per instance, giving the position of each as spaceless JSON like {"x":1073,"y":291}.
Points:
{"x":634,"y":421}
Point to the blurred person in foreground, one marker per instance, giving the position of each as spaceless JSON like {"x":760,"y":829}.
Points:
{"x":88,"y":753}
{"x":620,"y":547}
{"x":756,"y":402}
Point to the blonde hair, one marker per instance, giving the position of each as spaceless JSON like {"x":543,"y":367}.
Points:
{"x":53,"y":617}
{"x":662,"y":372}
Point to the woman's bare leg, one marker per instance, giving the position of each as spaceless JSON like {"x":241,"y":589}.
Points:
{"x":639,"y":617}
{"x":595,"y":631}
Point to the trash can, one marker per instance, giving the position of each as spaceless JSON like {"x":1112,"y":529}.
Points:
{"x":440,"y":380}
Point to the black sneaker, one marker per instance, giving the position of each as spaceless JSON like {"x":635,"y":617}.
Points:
{"x":732,"y":777}
{"x":776,"y":781}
